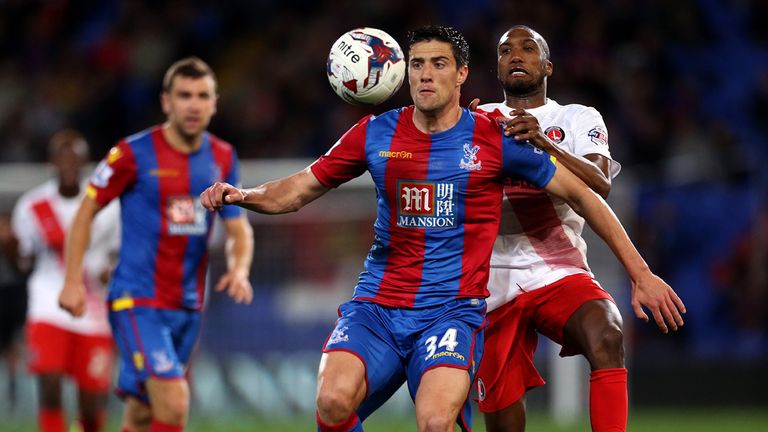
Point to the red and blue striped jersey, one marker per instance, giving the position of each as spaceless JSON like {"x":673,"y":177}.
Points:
{"x":439,"y":202}
{"x":165,"y":229}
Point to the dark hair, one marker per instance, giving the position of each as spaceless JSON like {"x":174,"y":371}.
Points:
{"x":68,"y":138}
{"x":444,"y":34}
{"x":190,"y":67}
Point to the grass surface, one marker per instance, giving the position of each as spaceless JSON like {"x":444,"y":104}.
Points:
{"x":709,"y":420}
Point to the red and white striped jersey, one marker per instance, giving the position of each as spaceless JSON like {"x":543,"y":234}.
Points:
{"x":539,"y":238}
{"x":41,"y":220}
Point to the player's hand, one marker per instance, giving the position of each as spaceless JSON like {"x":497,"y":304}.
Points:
{"x":219,"y":194}
{"x":652,"y":292}
{"x":238,"y":286}
{"x":524,"y":126}
{"x":72,"y":298}
{"x":473,"y":105}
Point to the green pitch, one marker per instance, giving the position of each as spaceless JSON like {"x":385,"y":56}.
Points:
{"x":680,"y":420}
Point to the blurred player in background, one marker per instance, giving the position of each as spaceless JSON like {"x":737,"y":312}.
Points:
{"x":539,"y":278}
{"x":13,"y":304}
{"x":418,"y":311}
{"x":157,"y":289}
{"x":58,"y":344}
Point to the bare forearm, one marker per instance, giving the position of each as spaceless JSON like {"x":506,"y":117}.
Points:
{"x":286,"y":195}
{"x":583,"y":168}
{"x":240,"y":250}
{"x":604,"y":222}
{"x":78,"y":239}
{"x":274,"y":197}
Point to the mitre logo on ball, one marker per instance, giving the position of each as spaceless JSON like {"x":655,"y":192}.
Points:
{"x":365,"y":66}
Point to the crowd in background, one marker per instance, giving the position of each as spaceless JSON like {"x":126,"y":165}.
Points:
{"x":683,"y":88}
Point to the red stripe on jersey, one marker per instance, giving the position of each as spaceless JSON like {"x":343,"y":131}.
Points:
{"x":123,"y":173}
{"x":543,"y":228}
{"x":51,"y":228}
{"x":402,"y":275}
{"x":173,"y":180}
{"x":482,"y":225}
{"x":222,"y":155}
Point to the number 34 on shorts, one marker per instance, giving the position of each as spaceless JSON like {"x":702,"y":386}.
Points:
{"x":446,"y":346}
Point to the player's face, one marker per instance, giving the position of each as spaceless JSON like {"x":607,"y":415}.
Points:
{"x":433,"y":75}
{"x":523,"y":66}
{"x":189,"y":104}
{"x":68,"y":163}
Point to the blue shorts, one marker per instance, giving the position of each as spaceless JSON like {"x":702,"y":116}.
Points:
{"x":153,"y":343}
{"x":400,"y":345}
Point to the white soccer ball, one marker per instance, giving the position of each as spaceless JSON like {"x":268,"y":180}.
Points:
{"x":365,"y":66}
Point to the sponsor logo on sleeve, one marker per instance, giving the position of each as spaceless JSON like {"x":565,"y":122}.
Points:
{"x":425,"y":204}
{"x":102,"y":174}
{"x":598,"y":136}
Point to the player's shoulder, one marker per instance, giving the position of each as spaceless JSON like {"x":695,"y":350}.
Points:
{"x":576,"y":110}
{"x":387,"y":116}
{"x":219,"y":144}
{"x":141,"y":138}
{"x":40,"y":192}
{"x":487,"y":120}
{"x":494,"y":108}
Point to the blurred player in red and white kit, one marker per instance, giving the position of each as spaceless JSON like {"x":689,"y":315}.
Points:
{"x":60,"y":345}
{"x":539,"y":279}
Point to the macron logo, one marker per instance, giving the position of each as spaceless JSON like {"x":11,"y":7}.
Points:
{"x":396,"y":154}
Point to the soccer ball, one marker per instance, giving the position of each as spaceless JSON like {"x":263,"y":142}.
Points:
{"x":365,"y":66}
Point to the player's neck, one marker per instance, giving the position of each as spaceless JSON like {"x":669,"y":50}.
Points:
{"x":437,"y":121}
{"x":69,"y":190}
{"x":181,"y":142}
{"x":534,"y":99}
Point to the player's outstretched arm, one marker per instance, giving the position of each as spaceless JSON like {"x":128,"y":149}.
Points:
{"x":285,"y":195}
{"x":648,"y":290}
{"x":239,"y":250}
{"x":72,"y":296}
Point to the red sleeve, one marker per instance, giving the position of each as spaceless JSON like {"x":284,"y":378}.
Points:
{"x":345,"y":160}
{"x":113,"y":175}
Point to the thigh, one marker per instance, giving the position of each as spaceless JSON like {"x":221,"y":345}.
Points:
{"x":564,"y":298}
{"x":146,"y":347}
{"x":92,"y":362}
{"x":48,"y":348}
{"x":443,"y":391}
{"x":361,"y":333}
{"x":507,"y":370}
{"x":185,"y":330}
{"x":448,"y":351}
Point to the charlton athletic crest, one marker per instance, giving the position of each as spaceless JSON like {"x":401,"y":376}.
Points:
{"x":555,"y":133}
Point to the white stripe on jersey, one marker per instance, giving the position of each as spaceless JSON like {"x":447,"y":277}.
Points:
{"x":539,"y":239}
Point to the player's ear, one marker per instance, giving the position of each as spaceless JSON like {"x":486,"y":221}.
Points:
{"x":548,"y":67}
{"x":165,"y":102}
{"x":463,"y":73}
